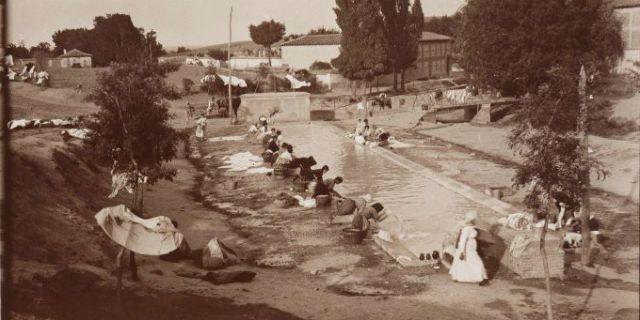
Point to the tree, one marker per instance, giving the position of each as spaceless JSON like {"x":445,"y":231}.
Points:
{"x":402,"y":32}
{"x":116,"y":39}
{"x":182,"y":50}
{"x":266,"y":34}
{"x":18,"y":51}
{"x":363,"y":51}
{"x":69,"y":39}
{"x":511,"y":45}
{"x":153,"y":47}
{"x":537,"y":49}
{"x":218,"y":54}
{"x":323,"y":30}
{"x":446,"y":25}
{"x":134,"y":119}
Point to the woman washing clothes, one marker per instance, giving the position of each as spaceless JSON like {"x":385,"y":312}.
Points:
{"x":361,"y":219}
{"x":467,"y":265}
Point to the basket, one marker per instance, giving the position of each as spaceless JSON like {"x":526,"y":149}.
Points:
{"x":353,"y":235}
{"x":323,"y":200}
{"x":300,"y":185}
{"x":281,"y":171}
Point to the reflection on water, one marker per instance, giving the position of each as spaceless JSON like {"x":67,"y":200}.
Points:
{"x":427,"y":209}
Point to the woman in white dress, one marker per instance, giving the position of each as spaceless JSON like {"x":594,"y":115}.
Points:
{"x":467,"y":265}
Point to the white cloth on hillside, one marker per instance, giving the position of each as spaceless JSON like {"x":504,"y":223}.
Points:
{"x":236,"y":82}
{"x":471,"y":268}
{"x":155,"y":236}
{"x":295,"y":83}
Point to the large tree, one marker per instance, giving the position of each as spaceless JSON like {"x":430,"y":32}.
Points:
{"x":540,"y":50}
{"x":266,"y":34}
{"x":116,"y":39}
{"x":132,"y":126}
{"x":18,"y":51}
{"x":80,"y":38}
{"x":363,"y":52}
{"x":403,"y":29}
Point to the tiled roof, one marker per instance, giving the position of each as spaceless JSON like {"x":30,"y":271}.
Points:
{"x":75,"y":53}
{"x":625,"y":3}
{"x":315,"y":40}
{"x":430,"y":36}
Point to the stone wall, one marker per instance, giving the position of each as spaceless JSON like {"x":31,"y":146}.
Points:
{"x":290,"y":106}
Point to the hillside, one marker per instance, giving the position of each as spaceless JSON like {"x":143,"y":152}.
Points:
{"x":235,"y":46}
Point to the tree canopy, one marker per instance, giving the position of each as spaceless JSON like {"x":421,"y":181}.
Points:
{"x":113,"y":38}
{"x":447,"y":25}
{"x":510,"y":45}
{"x":18,"y":51}
{"x":134,"y":117}
{"x":402,"y":30}
{"x":363,"y":52}
{"x":266,"y":34}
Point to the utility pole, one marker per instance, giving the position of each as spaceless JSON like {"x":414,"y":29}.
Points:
{"x":229,"y":109}
{"x":585,"y":207}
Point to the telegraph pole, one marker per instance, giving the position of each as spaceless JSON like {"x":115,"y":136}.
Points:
{"x":229,"y":109}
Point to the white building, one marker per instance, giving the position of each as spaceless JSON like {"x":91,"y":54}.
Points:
{"x":629,"y":13}
{"x":240,"y":62}
{"x":72,"y":59}
{"x":301,"y":52}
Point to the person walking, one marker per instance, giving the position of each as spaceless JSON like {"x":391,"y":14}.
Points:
{"x":467,"y":265}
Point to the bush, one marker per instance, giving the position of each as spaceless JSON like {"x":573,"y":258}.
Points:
{"x":321,"y":65}
{"x":187,"y":84}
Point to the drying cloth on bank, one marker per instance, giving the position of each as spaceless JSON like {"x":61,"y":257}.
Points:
{"x":236,"y":82}
{"x":155,"y":236}
{"x":227,"y":138}
{"x":297,"y":84}
{"x":242,"y":161}
{"x":77,"y":133}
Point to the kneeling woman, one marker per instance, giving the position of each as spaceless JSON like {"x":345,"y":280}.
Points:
{"x":467,"y":265}
{"x":375,"y":212}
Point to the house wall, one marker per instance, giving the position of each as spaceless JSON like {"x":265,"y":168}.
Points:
{"x":253,"y":62}
{"x":292,"y":106}
{"x":301,"y":57}
{"x":68,"y":62}
{"x":433,"y":59}
{"x":630,"y":18}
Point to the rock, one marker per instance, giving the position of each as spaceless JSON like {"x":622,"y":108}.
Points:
{"x":70,"y":281}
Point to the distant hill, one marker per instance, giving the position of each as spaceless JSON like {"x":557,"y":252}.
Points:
{"x":235,"y":46}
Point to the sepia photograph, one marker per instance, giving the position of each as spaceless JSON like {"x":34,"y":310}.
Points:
{"x":320,"y":159}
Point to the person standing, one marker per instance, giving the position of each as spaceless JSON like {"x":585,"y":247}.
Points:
{"x":467,"y":265}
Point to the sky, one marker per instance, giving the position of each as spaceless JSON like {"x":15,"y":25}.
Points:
{"x":181,"y":22}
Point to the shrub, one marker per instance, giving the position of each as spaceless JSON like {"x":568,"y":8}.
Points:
{"x":187,"y":84}
{"x":321,"y":65}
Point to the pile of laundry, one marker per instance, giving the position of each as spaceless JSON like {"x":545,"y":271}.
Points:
{"x":43,"y":123}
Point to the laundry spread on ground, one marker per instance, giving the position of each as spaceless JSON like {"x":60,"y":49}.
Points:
{"x":155,"y":236}
{"x":77,"y":133}
{"x":228,"y":138}
{"x":242,"y":161}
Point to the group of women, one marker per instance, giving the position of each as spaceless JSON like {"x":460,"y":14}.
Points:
{"x":467,"y":265}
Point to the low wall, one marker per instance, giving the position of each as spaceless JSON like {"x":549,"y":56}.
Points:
{"x":290,"y":106}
